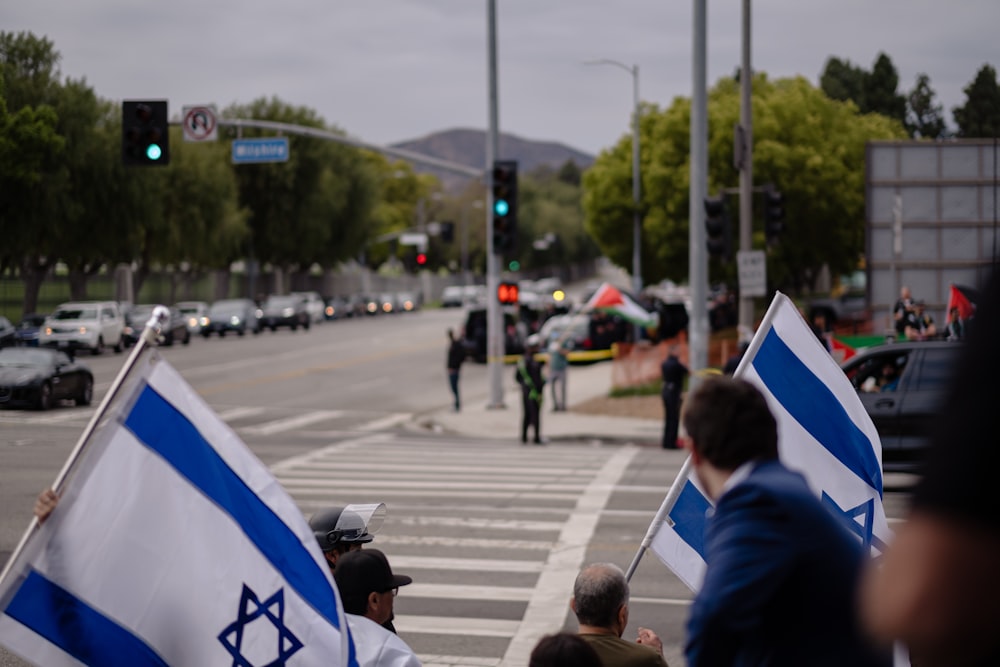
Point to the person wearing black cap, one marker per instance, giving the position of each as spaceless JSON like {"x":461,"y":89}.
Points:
{"x":368,"y":589}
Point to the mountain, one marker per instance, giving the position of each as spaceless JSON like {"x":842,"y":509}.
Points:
{"x":467,"y":146}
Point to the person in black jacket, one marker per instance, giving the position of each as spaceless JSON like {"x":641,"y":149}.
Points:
{"x":529,"y":376}
{"x":456,"y":355}
{"x":673,"y":373}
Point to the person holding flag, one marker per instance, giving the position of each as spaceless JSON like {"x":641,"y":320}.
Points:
{"x":528,"y":375}
{"x":781,"y":570}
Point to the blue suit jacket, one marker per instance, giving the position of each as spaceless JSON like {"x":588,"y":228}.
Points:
{"x":781,"y":580}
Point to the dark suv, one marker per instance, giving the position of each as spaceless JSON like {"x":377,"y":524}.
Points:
{"x":285,"y":311}
{"x":902,"y":386}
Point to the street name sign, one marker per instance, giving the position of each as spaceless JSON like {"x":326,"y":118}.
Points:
{"x":269,"y":149}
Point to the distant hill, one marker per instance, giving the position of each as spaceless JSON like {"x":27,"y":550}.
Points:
{"x":468,"y":147}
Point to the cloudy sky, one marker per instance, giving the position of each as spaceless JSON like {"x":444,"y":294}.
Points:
{"x":391,"y":70}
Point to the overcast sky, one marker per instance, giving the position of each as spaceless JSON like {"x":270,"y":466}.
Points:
{"x":391,"y":70}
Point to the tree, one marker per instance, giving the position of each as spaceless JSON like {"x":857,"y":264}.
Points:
{"x":924,"y":119}
{"x":880,"y":91}
{"x":841,"y":80}
{"x":979,"y":117}
{"x":811,"y":147}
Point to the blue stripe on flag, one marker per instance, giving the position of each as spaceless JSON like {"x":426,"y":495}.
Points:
{"x":807,"y":399}
{"x":688,"y":515}
{"x":75,"y":627}
{"x":162,"y":428}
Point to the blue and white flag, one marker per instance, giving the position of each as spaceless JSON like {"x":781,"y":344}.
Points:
{"x":172,"y":545}
{"x":824,"y":432}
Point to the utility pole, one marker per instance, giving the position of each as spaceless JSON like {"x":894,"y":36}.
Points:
{"x":745,"y":135}
{"x":697,"y":189}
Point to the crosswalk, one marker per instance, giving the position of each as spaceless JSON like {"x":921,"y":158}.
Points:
{"x":493,"y":534}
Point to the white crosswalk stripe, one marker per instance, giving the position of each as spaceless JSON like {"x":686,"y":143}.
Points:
{"x":500,"y":527}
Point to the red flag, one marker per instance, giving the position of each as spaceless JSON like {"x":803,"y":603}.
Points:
{"x":958,"y":298}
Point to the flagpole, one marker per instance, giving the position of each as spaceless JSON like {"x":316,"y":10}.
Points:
{"x":661,"y":514}
{"x":150,"y":335}
{"x":755,"y":340}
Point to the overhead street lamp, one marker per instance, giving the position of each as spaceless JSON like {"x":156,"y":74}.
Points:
{"x":636,"y":193}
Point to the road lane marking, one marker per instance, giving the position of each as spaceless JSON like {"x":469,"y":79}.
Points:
{"x":289,"y":423}
{"x":404,"y":563}
{"x":456,"y":625}
{"x":239,"y":413}
{"x":466,"y":592}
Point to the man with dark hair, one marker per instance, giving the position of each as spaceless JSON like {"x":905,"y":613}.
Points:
{"x":600,"y":602}
{"x":368,"y":589}
{"x":782,"y":570}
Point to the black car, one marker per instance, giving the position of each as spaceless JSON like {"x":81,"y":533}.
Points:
{"x":475,"y":334}
{"x":174,"y":330}
{"x":902,"y":386}
{"x":29,"y":329}
{"x":8,"y":333}
{"x":285,"y":311}
{"x":40,"y":377}
{"x":236,"y":316}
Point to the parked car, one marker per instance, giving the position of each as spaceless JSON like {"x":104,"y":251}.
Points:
{"x":232,"y":315}
{"x":336,"y":308}
{"x":313,"y":304}
{"x":196,"y":314}
{"x":902,"y":411}
{"x":175,"y":329}
{"x":452,"y":296}
{"x":85,"y":325}
{"x":388,"y":303}
{"x":8,"y":333}
{"x":407,"y":302}
{"x":285,"y":311}
{"x":373,"y":305}
{"x":357,"y":305}
{"x":29,"y":330}
{"x":572,"y":329}
{"x":38,"y":378}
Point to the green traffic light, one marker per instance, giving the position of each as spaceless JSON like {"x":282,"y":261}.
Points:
{"x":514,"y":265}
{"x":153,"y":151}
{"x":501,"y":207}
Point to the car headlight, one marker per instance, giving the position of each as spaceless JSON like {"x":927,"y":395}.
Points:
{"x":83,"y":330}
{"x":234,"y":320}
{"x":287,"y":312}
{"x":48,"y":331}
{"x":205,"y":321}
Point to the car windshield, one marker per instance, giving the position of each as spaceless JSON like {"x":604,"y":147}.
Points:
{"x":281,"y":301}
{"x":19,"y":357}
{"x":75,"y":314}
{"x":140,"y":313}
{"x":188,"y":310}
{"x":227,"y":308}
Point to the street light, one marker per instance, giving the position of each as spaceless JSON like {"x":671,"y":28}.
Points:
{"x":636,"y":194}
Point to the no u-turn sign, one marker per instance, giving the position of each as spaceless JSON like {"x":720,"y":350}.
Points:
{"x":199,"y":123}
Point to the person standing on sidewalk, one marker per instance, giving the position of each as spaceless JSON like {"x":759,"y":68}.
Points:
{"x":673,"y":373}
{"x":558,"y":365}
{"x":456,"y":355}
{"x":529,"y":376}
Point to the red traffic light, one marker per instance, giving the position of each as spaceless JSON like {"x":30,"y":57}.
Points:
{"x":421,"y":258}
{"x":507,"y":293}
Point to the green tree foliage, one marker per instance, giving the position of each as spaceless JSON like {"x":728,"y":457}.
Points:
{"x":811,"y":147}
{"x":301,"y":211}
{"x":871,"y":91}
{"x":924,"y":116}
{"x":398,"y":194}
{"x":843,"y":81}
{"x":979,"y":117}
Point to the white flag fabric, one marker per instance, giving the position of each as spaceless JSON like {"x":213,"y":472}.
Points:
{"x":172,"y":545}
{"x":824,"y":433}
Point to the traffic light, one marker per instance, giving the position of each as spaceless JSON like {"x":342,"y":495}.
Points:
{"x":447,"y":232}
{"x":774,"y":215}
{"x":145,"y":133}
{"x":507,"y":293}
{"x":717,"y":227}
{"x":504,"y":206}
{"x":421,"y":259}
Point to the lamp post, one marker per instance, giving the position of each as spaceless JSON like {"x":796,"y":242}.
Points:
{"x":636,"y":191}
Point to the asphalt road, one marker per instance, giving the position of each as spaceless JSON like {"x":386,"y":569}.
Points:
{"x":493,"y":533}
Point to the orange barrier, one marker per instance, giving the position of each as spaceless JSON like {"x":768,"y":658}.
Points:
{"x":634,"y":365}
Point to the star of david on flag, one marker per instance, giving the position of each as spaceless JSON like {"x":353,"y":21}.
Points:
{"x":167,"y":530}
{"x":824,"y":433}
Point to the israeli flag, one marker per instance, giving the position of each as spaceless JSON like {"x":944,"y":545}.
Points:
{"x":824,"y":433}
{"x":172,"y":545}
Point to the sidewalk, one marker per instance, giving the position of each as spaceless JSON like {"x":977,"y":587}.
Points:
{"x":585,"y":382}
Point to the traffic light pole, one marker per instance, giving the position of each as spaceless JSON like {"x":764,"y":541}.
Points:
{"x":697,"y":189}
{"x":494,"y":321}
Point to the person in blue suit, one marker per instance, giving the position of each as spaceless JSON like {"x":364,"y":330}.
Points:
{"x":782,"y":571}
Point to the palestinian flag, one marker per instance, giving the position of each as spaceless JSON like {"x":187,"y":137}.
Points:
{"x":963,"y":298}
{"x":609,"y":299}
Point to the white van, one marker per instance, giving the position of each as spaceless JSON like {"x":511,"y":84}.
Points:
{"x":84,"y":325}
